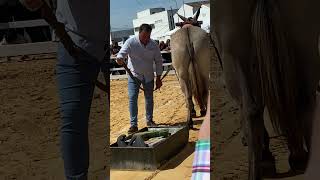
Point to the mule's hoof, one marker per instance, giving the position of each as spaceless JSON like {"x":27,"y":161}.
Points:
{"x":268,"y":169}
{"x":190,"y":124}
{"x":268,"y":165}
{"x":193,"y":113}
{"x":244,"y":141}
{"x":299,"y":162}
{"x":203,"y":113}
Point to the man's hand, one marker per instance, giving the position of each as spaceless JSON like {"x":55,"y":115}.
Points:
{"x":158,"y":82}
{"x":120,"y":61}
{"x":32,"y":5}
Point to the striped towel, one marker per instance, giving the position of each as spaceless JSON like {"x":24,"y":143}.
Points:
{"x":201,"y":162}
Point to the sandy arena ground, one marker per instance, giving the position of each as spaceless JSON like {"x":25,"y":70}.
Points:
{"x":169,"y":109}
{"x":29,"y":123}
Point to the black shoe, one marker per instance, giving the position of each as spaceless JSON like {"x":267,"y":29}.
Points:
{"x":151,"y":123}
{"x":132,"y":129}
{"x":193,"y":113}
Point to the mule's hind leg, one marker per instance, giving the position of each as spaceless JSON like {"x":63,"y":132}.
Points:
{"x":268,"y":160}
{"x":243,"y":128}
{"x":205,"y":94}
{"x":253,"y":109}
{"x":203,"y":108}
{"x":254,"y":116}
{"x":186,"y":89}
{"x":308,"y":119}
{"x":299,"y":156}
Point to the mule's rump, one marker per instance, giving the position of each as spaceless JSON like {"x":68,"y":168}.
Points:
{"x":191,"y":59}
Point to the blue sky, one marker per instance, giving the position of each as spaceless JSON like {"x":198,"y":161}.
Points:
{"x":122,"y":12}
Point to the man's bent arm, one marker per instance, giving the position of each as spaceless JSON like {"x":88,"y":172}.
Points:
{"x":125,"y":50}
{"x":158,"y":62}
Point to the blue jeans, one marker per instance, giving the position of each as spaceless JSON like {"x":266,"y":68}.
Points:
{"x":75,"y":86}
{"x":133,"y":89}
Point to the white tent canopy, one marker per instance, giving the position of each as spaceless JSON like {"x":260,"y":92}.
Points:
{"x":206,"y":27}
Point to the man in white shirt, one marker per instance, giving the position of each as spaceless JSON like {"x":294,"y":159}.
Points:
{"x":142,"y":53}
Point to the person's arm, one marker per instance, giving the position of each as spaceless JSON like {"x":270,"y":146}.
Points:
{"x":204,"y":132}
{"x":159,"y":70}
{"x":201,"y":162}
{"x":124,"y":51}
{"x":158,"y":62}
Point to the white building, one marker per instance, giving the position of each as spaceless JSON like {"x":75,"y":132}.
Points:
{"x":189,"y":9}
{"x":160,"y":19}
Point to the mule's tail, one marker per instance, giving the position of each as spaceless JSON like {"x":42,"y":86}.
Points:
{"x":276,"y":67}
{"x":197,"y":84}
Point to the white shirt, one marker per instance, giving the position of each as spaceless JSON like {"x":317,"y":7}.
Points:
{"x":141,"y":59}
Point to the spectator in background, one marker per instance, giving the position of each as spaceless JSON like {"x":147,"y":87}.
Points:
{"x":115,"y":48}
{"x":167,"y":56}
{"x":111,"y":47}
{"x":162,"y":45}
{"x":167,"y":45}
